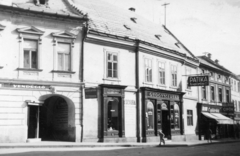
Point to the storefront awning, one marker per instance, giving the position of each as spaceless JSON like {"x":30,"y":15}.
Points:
{"x":221,"y":119}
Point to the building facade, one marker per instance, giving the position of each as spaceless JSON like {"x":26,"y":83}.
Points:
{"x":215,"y":110}
{"x":235,"y":96}
{"x":40,"y":87}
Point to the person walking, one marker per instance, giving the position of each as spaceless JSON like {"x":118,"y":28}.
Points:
{"x":209,"y":135}
{"x":161,"y":135}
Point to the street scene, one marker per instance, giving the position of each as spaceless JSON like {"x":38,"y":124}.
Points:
{"x":129,"y":77}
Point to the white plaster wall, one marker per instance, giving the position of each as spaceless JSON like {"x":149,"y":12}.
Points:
{"x":10,"y":46}
{"x":190,"y":105}
{"x":130,"y":114}
{"x":95,"y":65}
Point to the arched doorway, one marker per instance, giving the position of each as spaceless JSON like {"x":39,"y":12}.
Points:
{"x":57,"y":119}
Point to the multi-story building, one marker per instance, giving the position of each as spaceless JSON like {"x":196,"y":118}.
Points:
{"x":235,"y":95}
{"x":135,"y":76}
{"x":40,"y":45}
{"x":214,"y":108}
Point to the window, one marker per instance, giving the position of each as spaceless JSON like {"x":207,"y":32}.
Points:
{"x":112,"y":65}
{"x":174,"y":116}
{"x":161,"y":71}
{"x":235,"y":86}
{"x":220,"y":94}
{"x":212,"y":93}
{"x":238,"y":105}
{"x":204,"y":93}
{"x":239,"y":87}
{"x":235,"y":105}
{"x":188,"y":72}
{"x":174,"y":75}
{"x":189,"y":117}
{"x":212,"y":75}
{"x":227,"y":96}
{"x":148,"y":70}
{"x":150,"y":116}
{"x":231,"y":84}
{"x":64,"y":57}
{"x":30,"y":54}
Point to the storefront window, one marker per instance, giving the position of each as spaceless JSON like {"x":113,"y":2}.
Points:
{"x":113,"y":122}
{"x":175,"y":121}
{"x":150,"y":116}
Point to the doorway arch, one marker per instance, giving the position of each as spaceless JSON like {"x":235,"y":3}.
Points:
{"x":57,"y":118}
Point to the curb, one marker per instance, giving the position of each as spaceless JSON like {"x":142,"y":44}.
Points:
{"x":114,"y":145}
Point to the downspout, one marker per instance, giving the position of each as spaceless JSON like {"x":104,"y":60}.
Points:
{"x":85,"y":32}
{"x":138,"y":114}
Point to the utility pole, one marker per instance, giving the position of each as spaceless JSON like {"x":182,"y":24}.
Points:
{"x":165,"y":6}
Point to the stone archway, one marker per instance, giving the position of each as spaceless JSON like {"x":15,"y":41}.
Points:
{"x":57,"y":118}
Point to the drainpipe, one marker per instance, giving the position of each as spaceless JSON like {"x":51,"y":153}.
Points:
{"x":138,"y":93}
{"x":85,"y":32}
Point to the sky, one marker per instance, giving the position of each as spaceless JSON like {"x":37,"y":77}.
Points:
{"x":211,"y":26}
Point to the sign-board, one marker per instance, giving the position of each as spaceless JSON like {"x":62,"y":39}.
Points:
{"x":227,"y":108}
{"x":90,"y":93}
{"x":25,"y":86}
{"x":198,"y":81}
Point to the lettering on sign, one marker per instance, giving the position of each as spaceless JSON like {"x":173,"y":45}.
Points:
{"x":198,"y":81}
{"x":214,"y":110}
{"x":113,"y":91}
{"x":130,"y":102}
{"x":162,"y":95}
{"x":227,"y":109}
{"x":90,"y":93}
{"x":27,"y":86}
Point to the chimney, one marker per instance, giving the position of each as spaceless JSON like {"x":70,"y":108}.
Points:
{"x":209,"y":55}
{"x":6,"y":2}
{"x":216,"y":61}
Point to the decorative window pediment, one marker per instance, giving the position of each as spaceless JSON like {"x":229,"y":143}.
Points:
{"x":2,"y":27}
{"x":64,"y":34}
{"x":30,"y":30}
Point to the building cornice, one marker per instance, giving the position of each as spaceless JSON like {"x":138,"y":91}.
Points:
{"x":52,"y":83}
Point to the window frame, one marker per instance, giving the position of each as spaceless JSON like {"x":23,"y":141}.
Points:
{"x":64,"y":58}
{"x":64,"y":37}
{"x":220,"y":96}
{"x":112,"y":62}
{"x":161,"y":80}
{"x":148,"y":78}
{"x":212,"y":93}
{"x":174,"y":80}
{"x":188,"y":72}
{"x":204,"y":96}
{"x":32,"y":34}
{"x":189,"y":117}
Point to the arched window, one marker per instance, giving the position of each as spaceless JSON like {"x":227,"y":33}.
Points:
{"x":176,"y":116}
{"x":150,"y":116}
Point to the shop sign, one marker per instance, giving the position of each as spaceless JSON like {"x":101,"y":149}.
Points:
{"x":26,"y":86}
{"x":214,"y":110}
{"x":113,"y":91}
{"x":162,"y":95}
{"x":130,"y":102}
{"x":198,"y":81}
{"x":90,"y":93}
{"x":227,"y":109}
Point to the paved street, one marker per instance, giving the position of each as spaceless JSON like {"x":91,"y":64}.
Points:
{"x":227,"y":149}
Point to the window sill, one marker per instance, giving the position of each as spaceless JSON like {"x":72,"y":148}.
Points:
{"x":173,"y":87}
{"x":62,"y":71}
{"x":29,"y":69}
{"x":161,"y":85}
{"x":148,"y":83}
{"x":112,"y":79}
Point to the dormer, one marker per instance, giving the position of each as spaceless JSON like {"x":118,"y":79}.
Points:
{"x":42,"y":2}
{"x":2,"y":27}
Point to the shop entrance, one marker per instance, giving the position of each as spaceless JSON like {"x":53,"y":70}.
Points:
{"x":56,"y":120}
{"x":165,"y":122}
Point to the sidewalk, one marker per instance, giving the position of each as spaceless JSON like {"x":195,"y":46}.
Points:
{"x":51,"y":144}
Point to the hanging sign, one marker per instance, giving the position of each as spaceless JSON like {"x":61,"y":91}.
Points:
{"x":90,"y":93}
{"x":198,"y":81}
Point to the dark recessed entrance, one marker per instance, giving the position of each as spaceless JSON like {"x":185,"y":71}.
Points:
{"x":56,"y":120}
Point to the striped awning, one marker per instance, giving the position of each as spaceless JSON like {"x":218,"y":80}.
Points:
{"x":221,"y":119}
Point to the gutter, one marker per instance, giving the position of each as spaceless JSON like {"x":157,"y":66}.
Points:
{"x":138,"y":114}
{"x":85,"y":32}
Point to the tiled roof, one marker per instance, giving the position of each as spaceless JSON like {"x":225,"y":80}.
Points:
{"x":109,"y":19}
{"x":51,"y":9}
{"x":206,"y":61}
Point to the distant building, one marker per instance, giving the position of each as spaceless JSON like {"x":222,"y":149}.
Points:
{"x":235,"y":95}
{"x":215,"y":109}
